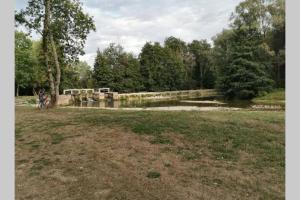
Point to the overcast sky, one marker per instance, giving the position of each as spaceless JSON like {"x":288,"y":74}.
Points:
{"x":131,"y":23}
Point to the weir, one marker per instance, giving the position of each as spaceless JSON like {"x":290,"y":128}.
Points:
{"x":81,"y":95}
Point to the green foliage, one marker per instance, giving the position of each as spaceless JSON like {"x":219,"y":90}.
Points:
{"x":31,"y":69}
{"x":244,"y":70}
{"x":64,"y":28}
{"x":175,"y":66}
{"x":39,"y":72}
{"x":117,"y":70}
{"x":68,"y":24}
{"x":152,"y":66}
{"x":85,"y":74}
{"x":102,"y":73}
{"x":76,"y":75}
{"x":203,"y":71}
{"x":241,"y":62}
{"x":23,"y":60}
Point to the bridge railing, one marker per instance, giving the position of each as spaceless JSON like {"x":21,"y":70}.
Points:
{"x":77,"y":91}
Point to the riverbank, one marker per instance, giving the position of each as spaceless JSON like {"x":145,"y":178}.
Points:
{"x":67,"y":153}
{"x":276,"y":97}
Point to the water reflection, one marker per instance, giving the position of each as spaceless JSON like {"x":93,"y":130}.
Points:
{"x":199,"y":102}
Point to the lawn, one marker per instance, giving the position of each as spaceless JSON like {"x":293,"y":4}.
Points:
{"x":274,"y":97}
{"x":70,"y":153}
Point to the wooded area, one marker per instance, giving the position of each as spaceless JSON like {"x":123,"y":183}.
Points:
{"x":243,"y":61}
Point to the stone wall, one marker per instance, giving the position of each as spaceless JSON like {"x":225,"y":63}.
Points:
{"x":64,"y":100}
{"x":169,"y":94}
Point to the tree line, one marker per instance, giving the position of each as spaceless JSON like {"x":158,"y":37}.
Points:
{"x":243,"y":61}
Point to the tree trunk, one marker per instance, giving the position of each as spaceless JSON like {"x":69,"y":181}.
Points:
{"x":201,"y":77}
{"x":58,"y":71}
{"x":278,"y":70}
{"x":17,"y":94}
{"x":46,"y":51}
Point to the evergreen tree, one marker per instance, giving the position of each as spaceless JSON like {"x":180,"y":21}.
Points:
{"x":245,"y":76}
{"x":102,"y":73}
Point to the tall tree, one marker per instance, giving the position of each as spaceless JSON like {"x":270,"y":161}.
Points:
{"x":180,"y":70}
{"x":245,"y":74}
{"x":39,"y":71}
{"x":203,"y":71}
{"x":102,"y":73}
{"x":117,"y":69}
{"x":64,"y":28}
{"x":277,"y":39}
{"x":152,"y":66}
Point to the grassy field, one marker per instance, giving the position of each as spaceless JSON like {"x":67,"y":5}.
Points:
{"x":275,"y":97}
{"x":67,"y":153}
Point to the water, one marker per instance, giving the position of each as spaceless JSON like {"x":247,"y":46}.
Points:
{"x":186,"y":102}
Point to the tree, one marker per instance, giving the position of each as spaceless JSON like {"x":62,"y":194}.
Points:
{"x":221,"y":53}
{"x":39,"y":73}
{"x":277,"y":39}
{"x":152,"y":66}
{"x":23,"y":61}
{"x":164,"y":68}
{"x":179,"y":67}
{"x":131,"y":78}
{"x":64,"y":28}
{"x":269,"y":18}
{"x":244,"y":76}
{"x":85,"y":74}
{"x":203,"y":71}
{"x":117,"y":70}
{"x":70,"y":77}
{"x":102,"y":74}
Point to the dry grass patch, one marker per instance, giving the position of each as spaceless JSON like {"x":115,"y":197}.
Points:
{"x":96,"y":154}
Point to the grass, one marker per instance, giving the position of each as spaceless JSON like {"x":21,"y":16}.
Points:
{"x":226,"y":133}
{"x":160,"y":140}
{"x":26,"y":100}
{"x":274,"y":97}
{"x":153,"y":174}
{"x":215,"y":154}
{"x":38,"y":165}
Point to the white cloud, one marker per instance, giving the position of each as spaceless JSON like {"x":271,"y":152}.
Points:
{"x":131,"y":23}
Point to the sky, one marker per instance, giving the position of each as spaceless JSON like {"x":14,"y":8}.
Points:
{"x":132,"y":23}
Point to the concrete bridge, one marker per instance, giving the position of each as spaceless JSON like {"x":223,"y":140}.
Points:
{"x":79,"y":95}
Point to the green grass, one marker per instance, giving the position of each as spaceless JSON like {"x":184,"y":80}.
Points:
{"x":26,"y":99}
{"x":153,"y":174}
{"x":274,"y":97}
